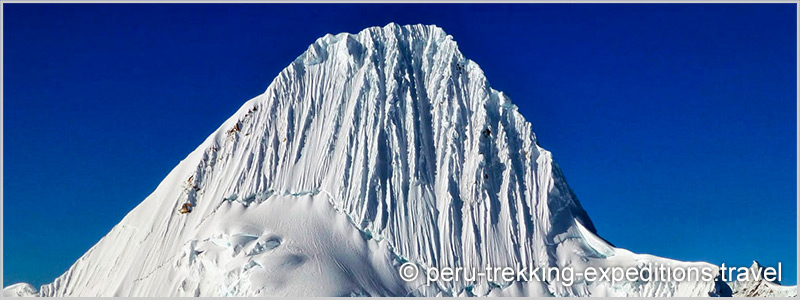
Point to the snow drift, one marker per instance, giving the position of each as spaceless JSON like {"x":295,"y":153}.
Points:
{"x":368,"y":151}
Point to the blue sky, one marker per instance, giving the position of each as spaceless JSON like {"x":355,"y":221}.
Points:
{"x":674,"y":124}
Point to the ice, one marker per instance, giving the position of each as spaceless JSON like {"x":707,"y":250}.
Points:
{"x":266,"y":245}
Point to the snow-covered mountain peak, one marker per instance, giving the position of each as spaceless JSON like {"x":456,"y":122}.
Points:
{"x":393,"y":130}
{"x":424,"y":48}
{"x":760,"y":285}
{"x":368,"y":151}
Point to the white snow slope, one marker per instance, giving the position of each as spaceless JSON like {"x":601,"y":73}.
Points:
{"x":367,"y":151}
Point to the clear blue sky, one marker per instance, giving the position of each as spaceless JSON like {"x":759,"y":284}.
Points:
{"x":674,"y":124}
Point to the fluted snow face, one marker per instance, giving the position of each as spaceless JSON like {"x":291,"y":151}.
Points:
{"x":368,"y":150}
{"x":406,"y":136}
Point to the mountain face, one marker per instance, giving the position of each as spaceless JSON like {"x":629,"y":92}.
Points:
{"x":368,"y":151}
{"x":759,"y":286}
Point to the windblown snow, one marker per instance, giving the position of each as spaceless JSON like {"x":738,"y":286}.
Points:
{"x":368,"y":151}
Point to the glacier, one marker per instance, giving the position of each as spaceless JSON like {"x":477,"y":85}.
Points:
{"x":369,"y":151}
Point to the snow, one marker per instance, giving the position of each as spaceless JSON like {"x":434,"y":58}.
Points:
{"x":367,"y":151}
{"x":19,"y":290}
{"x":758,"y":286}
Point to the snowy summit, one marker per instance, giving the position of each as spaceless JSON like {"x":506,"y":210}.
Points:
{"x":369,"y":151}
